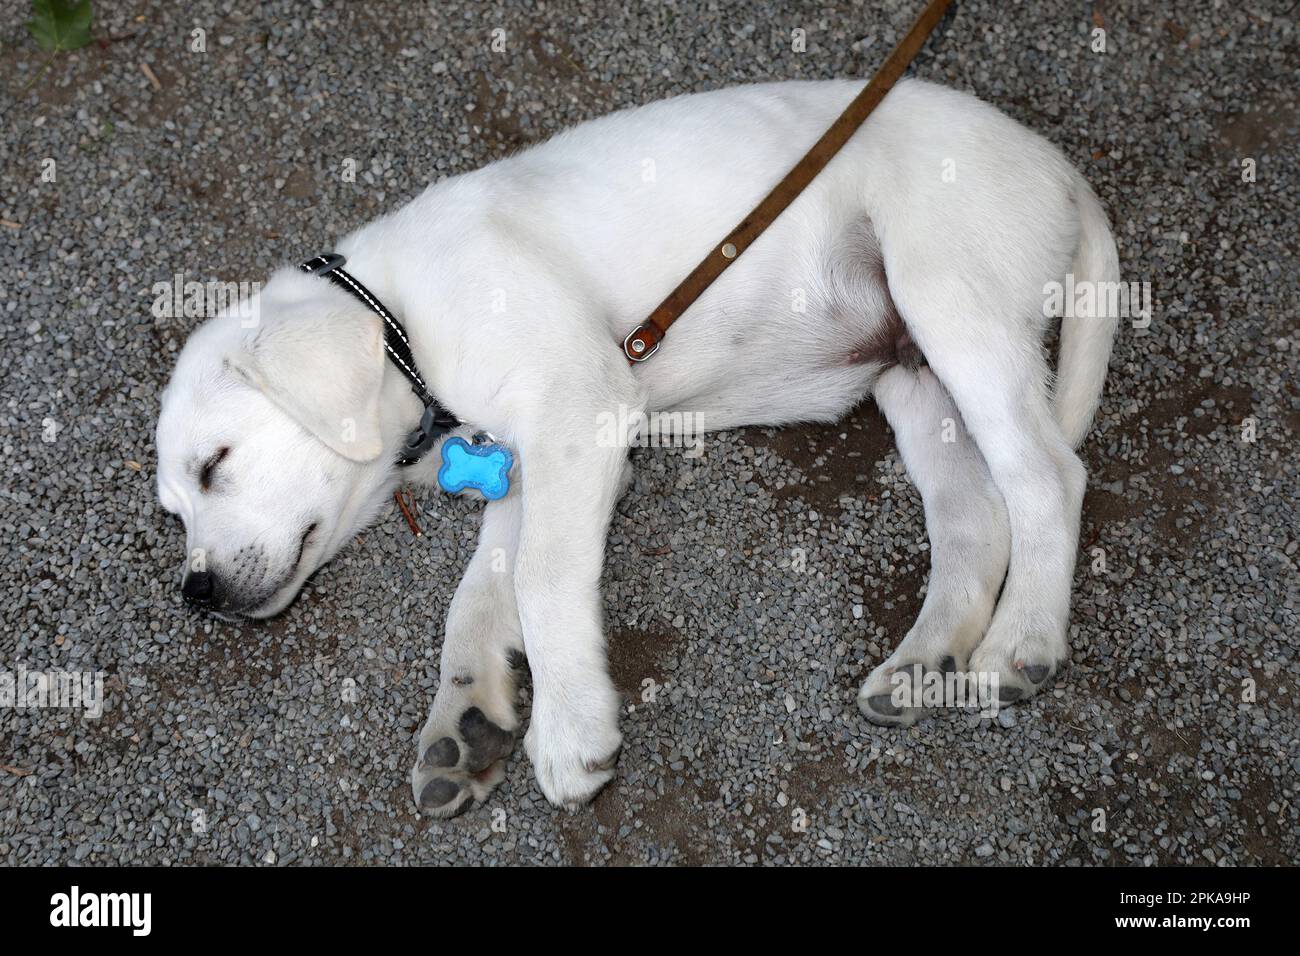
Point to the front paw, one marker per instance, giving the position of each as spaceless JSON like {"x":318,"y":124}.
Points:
{"x":461,"y":760}
{"x":573,"y":747}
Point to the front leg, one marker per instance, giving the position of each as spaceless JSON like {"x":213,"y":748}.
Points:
{"x":471,"y":728}
{"x":572,"y":482}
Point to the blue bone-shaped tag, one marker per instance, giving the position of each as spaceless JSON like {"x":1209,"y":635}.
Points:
{"x":485,"y":468}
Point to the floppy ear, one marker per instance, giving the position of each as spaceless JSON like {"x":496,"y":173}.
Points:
{"x":321,"y":361}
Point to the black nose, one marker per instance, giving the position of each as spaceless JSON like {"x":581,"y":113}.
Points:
{"x":197,"y":588}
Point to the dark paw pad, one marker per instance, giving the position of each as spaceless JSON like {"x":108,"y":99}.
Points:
{"x":1007,"y":695}
{"x":442,"y":753}
{"x":487,"y":742}
{"x":1037,"y":673}
{"x":882,"y":704}
{"x":438,"y":792}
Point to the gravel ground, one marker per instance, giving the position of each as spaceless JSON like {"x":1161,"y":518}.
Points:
{"x":225,"y":163}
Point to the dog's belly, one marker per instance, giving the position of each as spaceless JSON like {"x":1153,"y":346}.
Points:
{"x":799,"y":332}
{"x":764,"y":373}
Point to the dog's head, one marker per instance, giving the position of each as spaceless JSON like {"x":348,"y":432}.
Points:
{"x":272,"y":443}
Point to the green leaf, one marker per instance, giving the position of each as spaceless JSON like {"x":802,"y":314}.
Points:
{"x":60,"y":24}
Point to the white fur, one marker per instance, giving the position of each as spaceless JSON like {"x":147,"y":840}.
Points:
{"x":517,"y":283}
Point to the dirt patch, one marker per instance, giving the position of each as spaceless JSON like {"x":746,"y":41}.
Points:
{"x":674,"y":822}
{"x":300,"y":184}
{"x":897,"y":604}
{"x":637,"y":655}
{"x":492,"y":119}
{"x":1270,"y":122}
{"x":1179,"y":511}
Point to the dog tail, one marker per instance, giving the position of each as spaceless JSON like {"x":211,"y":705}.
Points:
{"x":1086,"y":338}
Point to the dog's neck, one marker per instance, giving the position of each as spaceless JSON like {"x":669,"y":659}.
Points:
{"x":405,"y":265}
{"x":400,"y":409}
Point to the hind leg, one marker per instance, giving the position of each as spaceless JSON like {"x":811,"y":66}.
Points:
{"x":1027,"y":641}
{"x":969,"y":539}
{"x":993,"y":367}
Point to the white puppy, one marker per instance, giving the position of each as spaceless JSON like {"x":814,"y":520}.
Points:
{"x":920,"y":257}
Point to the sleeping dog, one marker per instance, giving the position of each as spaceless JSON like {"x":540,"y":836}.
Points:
{"x":913,"y":269}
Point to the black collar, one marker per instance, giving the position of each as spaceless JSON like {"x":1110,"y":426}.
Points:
{"x":436,"y":420}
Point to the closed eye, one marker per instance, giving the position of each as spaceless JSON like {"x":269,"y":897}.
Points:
{"x":210,"y":467}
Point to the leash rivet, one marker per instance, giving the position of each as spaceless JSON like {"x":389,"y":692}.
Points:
{"x":729,"y":251}
{"x":638,"y":346}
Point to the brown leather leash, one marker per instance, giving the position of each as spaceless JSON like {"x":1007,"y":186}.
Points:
{"x":643,"y":341}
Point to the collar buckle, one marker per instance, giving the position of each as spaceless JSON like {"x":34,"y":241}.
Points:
{"x":435,"y":422}
{"x":324,"y":264}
